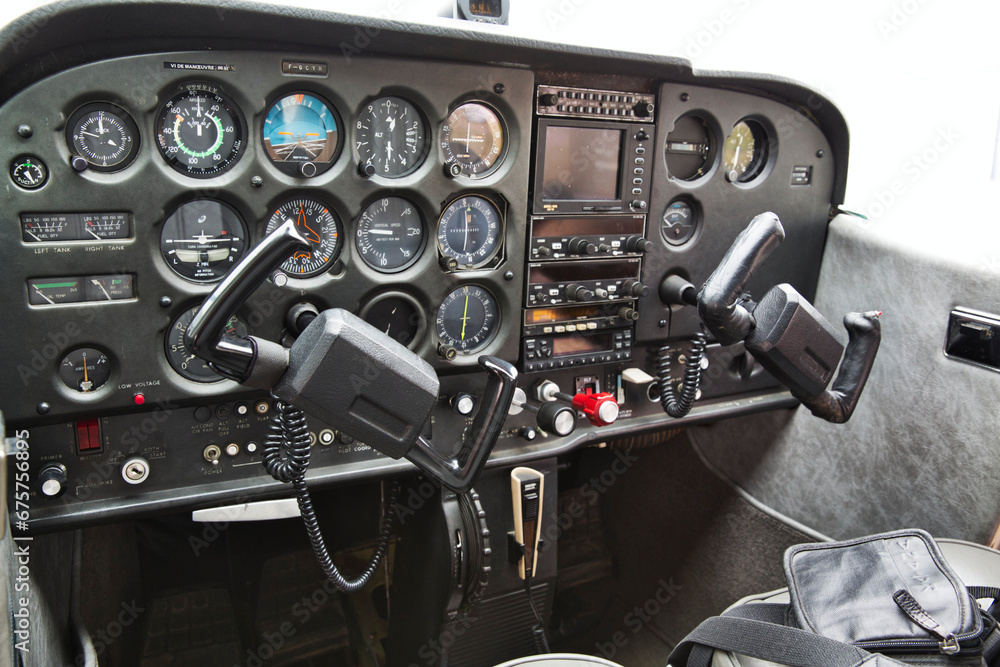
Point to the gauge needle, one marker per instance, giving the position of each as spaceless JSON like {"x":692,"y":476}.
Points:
{"x":468,"y":137}
{"x":98,"y":283}
{"x":91,"y":232}
{"x":468,"y":222}
{"x":86,"y":380}
{"x":89,"y":134}
{"x":100,"y":125}
{"x":389,"y":326}
{"x":33,"y":236}
{"x":381,"y":232}
{"x":42,"y":294}
{"x":465,"y":314}
{"x":302,"y":221}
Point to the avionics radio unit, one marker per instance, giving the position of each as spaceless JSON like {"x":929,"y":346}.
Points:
{"x":575,"y":237}
{"x":594,"y":151}
{"x":569,"y":282}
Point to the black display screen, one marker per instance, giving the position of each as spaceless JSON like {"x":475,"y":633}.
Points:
{"x":581,"y":163}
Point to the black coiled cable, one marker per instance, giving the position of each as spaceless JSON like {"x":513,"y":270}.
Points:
{"x":289,"y":432}
{"x":674,"y":406}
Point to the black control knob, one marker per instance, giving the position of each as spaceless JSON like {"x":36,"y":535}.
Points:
{"x":52,"y":480}
{"x":79,"y":163}
{"x":643,"y":110}
{"x":548,"y":100}
{"x":604,"y":247}
{"x":636,"y":243}
{"x":628,"y":314}
{"x":544,"y":251}
{"x":300,"y":316}
{"x":556,"y":417}
{"x":581,"y":247}
{"x":576,"y":292}
{"x":637,"y":205}
{"x":529,"y":433}
{"x":366,"y":170}
{"x":601,"y":293}
{"x":634,"y":288}
{"x":641,"y":135}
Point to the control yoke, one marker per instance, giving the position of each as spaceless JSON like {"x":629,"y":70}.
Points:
{"x":347,"y":373}
{"x":784,"y":332}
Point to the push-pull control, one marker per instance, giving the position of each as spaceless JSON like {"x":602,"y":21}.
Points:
{"x":600,"y":408}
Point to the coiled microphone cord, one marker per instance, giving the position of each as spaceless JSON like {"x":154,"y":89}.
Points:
{"x":674,"y":406}
{"x":289,"y":432}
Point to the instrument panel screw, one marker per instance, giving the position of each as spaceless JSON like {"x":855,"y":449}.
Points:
{"x":662,"y":324}
{"x":508,"y":276}
{"x":685,"y":97}
{"x":24,"y":131}
{"x":499,"y":89}
{"x":165,"y":302}
{"x":43,"y":408}
{"x":256,"y":182}
{"x":820,"y":153}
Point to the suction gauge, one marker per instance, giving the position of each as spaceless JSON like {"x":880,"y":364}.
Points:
{"x":302,"y":135}
{"x":200,"y":131}
{"x":473,"y":140}
{"x":321,"y":228}
{"x":468,"y":319}
{"x":104,"y":135}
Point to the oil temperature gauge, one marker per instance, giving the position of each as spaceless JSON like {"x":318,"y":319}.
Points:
{"x":85,"y":369}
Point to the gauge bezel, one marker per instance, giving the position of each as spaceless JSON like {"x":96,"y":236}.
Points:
{"x":423,"y":235}
{"x":441,"y":333}
{"x":18,"y":161}
{"x":421,"y":331}
{"x":764,"y":155}
{"x":294,"y":168}
{"x":241,"y":131}
{"x":100,"y":391}
{"x":495,"y":255}
{"x":193,"y":309}
{"x":356,"y":132}
{"x":247,"y":246}
{"x":82,"y":112}
{"x":334,"y":260}
{"x":712,"y":160}
{"x":696,"y":215}
{"x":504,"y":133}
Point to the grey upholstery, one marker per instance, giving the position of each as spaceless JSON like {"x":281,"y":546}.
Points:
{"x":561,"y":660}
{"x":975,"y":564}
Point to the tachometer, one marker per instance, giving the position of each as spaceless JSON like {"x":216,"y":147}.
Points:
{"x":321,"y":228}
{"x":391,"y":138}
{"x":390,"y":234}
{"x":301,"y":135}
{"x":473,"y":139}
{"x":468,"y":319}
{"x":470,"y":230}
{"x":202,"y":240}
{"x":104,"y":135}
{"x":182,"y":359}
{"x":200,"y":131}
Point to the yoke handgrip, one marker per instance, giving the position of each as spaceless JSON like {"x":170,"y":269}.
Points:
{"x":232,"y":356}
{"x":459,"y":472}
{"x":726,"y":319}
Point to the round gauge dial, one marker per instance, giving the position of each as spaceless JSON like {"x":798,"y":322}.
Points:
{"x":301,"y":135}
{"x":85,"y":369}
{"x":398,"y":316}
{"x":468,"y":319}
{"x":29,"y":172}
{"x":680,"y":222}
{"x":391,"y":138}
{"x":182,"y":359}
{"x":200,"y":131}
{"x":470,"y":230}
{"x":690,"y":151}
{"x":202,"y":240}
{"x":473,"y":138}
{"x":319,"y":226}
{"x":744,"y":153}
{"x":390,"y":234}
{"x":104,"y":135}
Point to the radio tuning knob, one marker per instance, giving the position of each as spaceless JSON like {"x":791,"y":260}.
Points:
{"x":548,"y":100}
{"x":576,"y":292}
{"x":544,"y":251}
{"x":601,"y":293}
{"x":628,"y":314}
{"x":636,"y":243}
{"x":643,"y":109}
{"x":581,"y":247}
{"x":604,"y":247}
{"x":634,"y":288}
